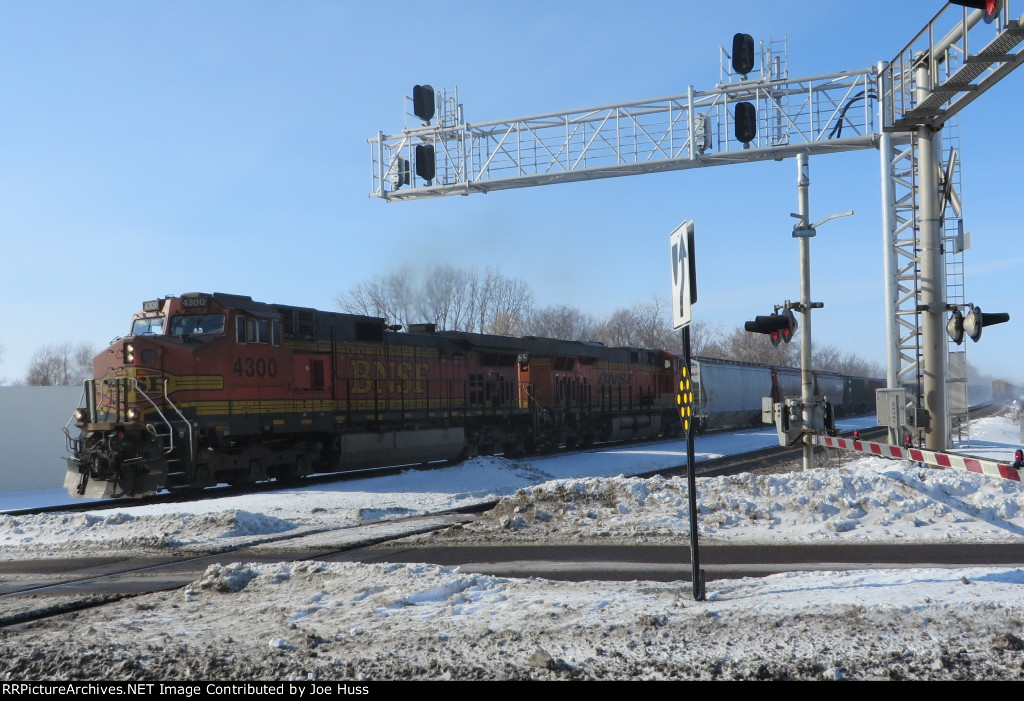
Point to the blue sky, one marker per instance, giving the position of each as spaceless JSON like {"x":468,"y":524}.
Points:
{"x":157,"y":148}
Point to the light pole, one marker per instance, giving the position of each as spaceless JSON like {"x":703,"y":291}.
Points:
{"x":803,"y":230}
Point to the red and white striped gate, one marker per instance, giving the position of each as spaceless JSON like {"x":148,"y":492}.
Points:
{"x":991,"y":468}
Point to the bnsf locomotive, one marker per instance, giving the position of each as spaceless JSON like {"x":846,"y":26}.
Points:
{"x":211,"y":388}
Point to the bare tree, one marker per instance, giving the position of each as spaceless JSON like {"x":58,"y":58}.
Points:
{"x":644,"y":325}
{"x":566,"y":323}
{"x":706,"y":339}
{"x":653,"y":323}
{"x":389,"y":296}
{"x":447,"y":297}
{"x":453,"y":299}
{"x":505,"y":304}
{"x":619,"y":329}
{"x":757,"y":348}
{"x":834,"y":359}
{"x":60,"y":364}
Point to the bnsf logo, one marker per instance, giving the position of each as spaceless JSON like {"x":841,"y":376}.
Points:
{"x":191,"y":302}
{"x":613,"y":378}
{"x":396,"y":377}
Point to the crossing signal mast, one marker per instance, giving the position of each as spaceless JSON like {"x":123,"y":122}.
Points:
{"x":969,"y":46}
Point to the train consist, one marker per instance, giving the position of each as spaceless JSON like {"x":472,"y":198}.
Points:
{"x":729,"y":392}
{"x":215,"y":388}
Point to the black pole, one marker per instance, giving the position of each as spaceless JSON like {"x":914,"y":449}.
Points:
{"x":697,"y":574}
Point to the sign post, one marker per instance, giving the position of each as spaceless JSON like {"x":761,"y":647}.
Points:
{"x":684,"y":294}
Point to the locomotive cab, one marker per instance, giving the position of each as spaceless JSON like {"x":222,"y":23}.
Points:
{"x":138,"y":428}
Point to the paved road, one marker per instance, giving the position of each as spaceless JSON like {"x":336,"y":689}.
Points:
{"x":671,"y":563}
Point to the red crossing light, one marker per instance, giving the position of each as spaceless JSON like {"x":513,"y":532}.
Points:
{"x":779,"y":326}
{"x":991,"y":7}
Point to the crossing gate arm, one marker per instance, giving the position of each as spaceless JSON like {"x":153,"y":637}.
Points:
{"x":992,"y":468}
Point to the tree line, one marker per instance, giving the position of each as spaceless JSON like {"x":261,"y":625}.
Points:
{"x":55,"y":364}
{"x":490,"y":302}
{"x":457,"y":299}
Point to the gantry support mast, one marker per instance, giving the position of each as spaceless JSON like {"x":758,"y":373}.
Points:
{"x":959,"y":54}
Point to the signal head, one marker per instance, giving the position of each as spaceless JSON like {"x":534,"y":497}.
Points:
{"x":743,"y":54}
{"x":423,"y":102}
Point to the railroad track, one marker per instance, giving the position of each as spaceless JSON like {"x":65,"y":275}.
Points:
{"x":32,"y":590}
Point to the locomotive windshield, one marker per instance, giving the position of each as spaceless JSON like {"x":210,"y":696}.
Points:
{"x":149,"y":326}
{"x":197,"y":324}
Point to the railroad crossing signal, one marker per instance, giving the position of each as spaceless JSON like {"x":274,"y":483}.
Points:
{"x":780,"y":327}
{"x":972,"y":324}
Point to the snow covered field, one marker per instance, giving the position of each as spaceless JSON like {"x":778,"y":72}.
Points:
{"x":314,"y":620}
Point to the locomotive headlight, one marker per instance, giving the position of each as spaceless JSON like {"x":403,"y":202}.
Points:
{"x":80,"y":416}
{"x":129,"y":353}
{"x":132,"y":414}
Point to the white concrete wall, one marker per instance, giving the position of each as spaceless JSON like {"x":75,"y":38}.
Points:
{"x":31,"y":441}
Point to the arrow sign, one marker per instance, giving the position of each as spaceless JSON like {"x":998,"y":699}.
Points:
{"x":684,"y":274}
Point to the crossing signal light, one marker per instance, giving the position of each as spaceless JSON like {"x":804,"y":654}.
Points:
{"x":684,"y":398}
{"x":975,"y":321}
{"x":780,"y":327}
{"x":746,"y":122}
{"x":742,"y":54}
{"x":955,"y":327}
{"x":991,"y":7}
{"x":972,"y":324}
{"x":423,"y":102}
{"x":789,"y":329}
{"x":426,"y":165}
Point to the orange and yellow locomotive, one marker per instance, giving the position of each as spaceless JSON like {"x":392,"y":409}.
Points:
{"x":212,"y":388}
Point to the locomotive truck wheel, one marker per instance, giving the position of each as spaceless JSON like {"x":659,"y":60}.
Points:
{"x":293,"y":472}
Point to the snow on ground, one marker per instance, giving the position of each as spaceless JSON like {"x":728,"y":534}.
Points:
{"x":376,"y":622}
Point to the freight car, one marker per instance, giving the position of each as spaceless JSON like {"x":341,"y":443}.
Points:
{"x":211,"y":388}
{"x":728,"y":393}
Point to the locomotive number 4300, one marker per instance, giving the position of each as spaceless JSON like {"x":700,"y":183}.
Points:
{"x":255,"y":367}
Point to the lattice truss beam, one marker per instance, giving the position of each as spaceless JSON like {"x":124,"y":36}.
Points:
{"x":904,"y":244}
{"x":965,"y":60}
{"x":820,"y":114}
{"x":904,"y":178}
